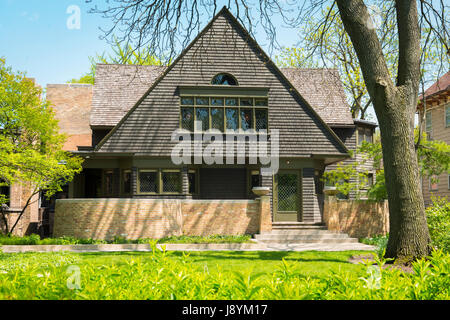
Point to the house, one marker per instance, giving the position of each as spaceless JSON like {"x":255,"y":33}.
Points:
{"x":437,"y":127}
{"x":134,"y":117}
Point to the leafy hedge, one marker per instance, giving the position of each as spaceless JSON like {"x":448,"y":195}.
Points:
{"x":159,"y":276}
{"x":438,"y":219}
{"x":35,"y":239}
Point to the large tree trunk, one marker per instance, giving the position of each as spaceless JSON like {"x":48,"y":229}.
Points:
{"x":395,"y":106}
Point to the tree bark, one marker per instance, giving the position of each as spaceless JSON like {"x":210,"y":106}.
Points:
{"x":395,"y":106}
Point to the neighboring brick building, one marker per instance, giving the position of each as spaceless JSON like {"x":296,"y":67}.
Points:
{"x":437,"y":127}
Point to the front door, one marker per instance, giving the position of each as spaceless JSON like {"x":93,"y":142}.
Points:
{"x":287,"y":199}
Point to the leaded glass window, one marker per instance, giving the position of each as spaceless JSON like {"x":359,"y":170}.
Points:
{"x":187,"y":118}
{"x":203,"y":116}
{"x":148,"y":181}
{"x":171,"y":181}
{"x":224,"y":79}
{"x":217,"y":118}
{"x":261,"y":119}
{"x":232,"y":118}
{"x":246,"y":119}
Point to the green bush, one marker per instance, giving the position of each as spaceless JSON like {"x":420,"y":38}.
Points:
{"x":160,"y":276}
{"x":379,"y":241}
{"x":438,"y":219}
{"x":35,"y":239}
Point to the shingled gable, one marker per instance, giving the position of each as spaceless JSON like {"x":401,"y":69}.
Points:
{"x":118,"y":87}
{"x":223,"y":46}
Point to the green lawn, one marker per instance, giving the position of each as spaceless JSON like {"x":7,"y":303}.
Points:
{"x":318,"y":263}
{"x":216,"y":275}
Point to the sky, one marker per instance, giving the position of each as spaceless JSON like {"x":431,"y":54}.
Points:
{"x":44,"y":39}
{"x":41,"y":38}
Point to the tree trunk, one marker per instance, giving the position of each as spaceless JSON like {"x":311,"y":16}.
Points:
{"x":395,"y":106}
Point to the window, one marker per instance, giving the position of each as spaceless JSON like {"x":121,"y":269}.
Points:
{"x":364,"y":134}
{"x":447,"y":115}
{"x":148,"y":181}
{"x":428,"y":123}
{"x":109,"y":177}
{"x":433,"y":183}
{"x":255,"y":179}
{"x":171,"y":181}
{"x":5,"y":191}
{"x":224,"y":79}
{"x":192,"y":180}
{"x":217,"y":117}
{"x":370,"y":180}
{"x":187,"y":118}
{"x":157,"y":181}
{"x":126,"y":184}
{"x":360,"y":136}
{"x":224,"y":113}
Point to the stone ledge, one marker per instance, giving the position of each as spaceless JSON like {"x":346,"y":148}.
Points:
{"x":184,"y":247}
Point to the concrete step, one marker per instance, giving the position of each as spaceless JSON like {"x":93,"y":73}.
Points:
{"x":328,"y":241}
{"x":299,"y":231}
{"x":283,"y":237}
{"x":298,"y":226}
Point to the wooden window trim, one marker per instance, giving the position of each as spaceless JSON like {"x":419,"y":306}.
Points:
{"x":138,"y":182}
{"x":160,"y":182}
{"x":122,"y":182}
{"x":224,"y":106}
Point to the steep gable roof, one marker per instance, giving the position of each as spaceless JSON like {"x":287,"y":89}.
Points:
{"x":223,"y":46}
{"x":323,"y":90}
{"x":117,"y":88}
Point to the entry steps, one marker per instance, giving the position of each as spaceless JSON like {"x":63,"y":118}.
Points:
{"x":301,"y":233}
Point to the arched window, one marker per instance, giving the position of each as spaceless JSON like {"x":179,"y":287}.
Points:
{"x":224,"y":79}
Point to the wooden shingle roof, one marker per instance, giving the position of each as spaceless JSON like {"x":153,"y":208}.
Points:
{"x":323,"y":90}
{"x":118,"y":87}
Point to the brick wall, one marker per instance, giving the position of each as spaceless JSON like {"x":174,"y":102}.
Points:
{"x":27,"y":224}
{"x":157,"y":218}
{"x":72,"y":104}
{"x":358,"y":218}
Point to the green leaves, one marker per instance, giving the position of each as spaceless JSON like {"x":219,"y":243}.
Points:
{"x":30,"y":143}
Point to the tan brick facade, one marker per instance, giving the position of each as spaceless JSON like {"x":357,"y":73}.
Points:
{"x":72,"y":104}
{"x":358,"y":219}
{"x":157,"y":218}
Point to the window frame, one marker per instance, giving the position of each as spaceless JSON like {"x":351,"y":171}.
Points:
{"x":238,"y":107}
{"x":159,"y":181}
{"x":105,"y":187}
{"x":430,"y":184}
{"x":138,"y":182}
{"x":197,"y":180}
{"x":224,"y":74}
{"x":447,"y":115}
{"x":429,"y":133}
{"x":122,"y":181}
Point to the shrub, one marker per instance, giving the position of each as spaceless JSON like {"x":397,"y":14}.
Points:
{"x":438,"y":219}
{"x":158,"y":276}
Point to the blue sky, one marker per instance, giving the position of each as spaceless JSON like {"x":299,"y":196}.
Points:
{"x":34,"y":38}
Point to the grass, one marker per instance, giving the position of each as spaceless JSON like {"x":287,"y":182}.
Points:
{"x":35,"y":239}
{"x":217,"y":275}
{"x":309,"y":262}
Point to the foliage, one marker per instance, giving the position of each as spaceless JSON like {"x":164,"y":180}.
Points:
{"x":433,"y":157}
{"x":329,"y":46}
{"x":35,"y":239}
{"x":121,"y":54}
{"x":162,"y":276}
{"x":380,"y":241}
{"x":438,"y":219}
{"x":30,"y":143}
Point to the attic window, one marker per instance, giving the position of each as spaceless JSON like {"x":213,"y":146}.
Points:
{"x":224,"y":79}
